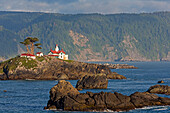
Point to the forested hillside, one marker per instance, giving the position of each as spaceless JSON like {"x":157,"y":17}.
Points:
{"x":90,"y":37}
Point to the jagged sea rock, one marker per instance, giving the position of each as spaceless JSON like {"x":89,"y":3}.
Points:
{"x":140,"y":99}
{"x":62,"y":89}
{"x":92,"y":82}
{"x":115,"y":75}
{"x":159,"y":89}
{"x":72,"y":100}
{"x":161,"y":81}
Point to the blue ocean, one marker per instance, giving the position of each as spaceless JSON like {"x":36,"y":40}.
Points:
{"x":23,"y":96}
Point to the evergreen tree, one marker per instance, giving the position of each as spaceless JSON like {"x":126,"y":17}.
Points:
{"x":26,"y":42}
{"x":29,"y":41}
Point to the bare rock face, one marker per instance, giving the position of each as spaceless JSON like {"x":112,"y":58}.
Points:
{"x":140,"y":99}
{"x":65,"y":97}
{"x":159,"y":89}
{"x":92,"y":82}
{"x":62,"y":89}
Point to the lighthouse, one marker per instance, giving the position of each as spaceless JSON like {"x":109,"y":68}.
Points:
{"x":58,"y":53}
{"x":56,"y":48}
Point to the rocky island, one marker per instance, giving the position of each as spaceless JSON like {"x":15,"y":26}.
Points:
{"x":50,"y":68}
{"x":64,"y":96}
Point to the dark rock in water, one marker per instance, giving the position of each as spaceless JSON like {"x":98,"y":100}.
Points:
{"x":5,"y":90}
{"x":64,"y":97}
{"x":115,"y":75}
{"x":62,"y":89}
{"x":159,"y":89}
{"x":140,"y":99}
{"x":161,"y":81}
{"x":92,"y":82}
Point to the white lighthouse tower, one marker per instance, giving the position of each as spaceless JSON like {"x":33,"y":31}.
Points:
{"x":57,"y":48}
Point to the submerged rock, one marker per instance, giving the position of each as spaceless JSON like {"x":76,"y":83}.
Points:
{"x":64,"y":97}
{"x":92,"y":82}
{"x":159,"y":89}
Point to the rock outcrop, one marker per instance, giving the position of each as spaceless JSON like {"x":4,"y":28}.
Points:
{"x":115,"y":75}
{"x":161,"y":81}
{"x":49,"y":68}
{"x":62,"y":89}
{"x":72,"y":100}
{"x":92,"y":82}
{"x":120,"y":66}
{"x":159,"y":89}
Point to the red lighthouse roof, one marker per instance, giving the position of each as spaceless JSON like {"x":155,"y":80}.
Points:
{"x":54,"y":52}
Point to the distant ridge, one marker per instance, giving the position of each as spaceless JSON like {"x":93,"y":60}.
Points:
{"x":90,"y":37}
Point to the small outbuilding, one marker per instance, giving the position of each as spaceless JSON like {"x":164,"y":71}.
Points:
{"x":39,"y":54}
{"x":28,"y":55}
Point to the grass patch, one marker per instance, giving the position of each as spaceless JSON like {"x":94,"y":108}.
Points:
{"x":29,"y":63}
{"x":69,"y":61}
{"x":13,"y":63}
{"x":40,"y":59}
{"x":1,"y":70}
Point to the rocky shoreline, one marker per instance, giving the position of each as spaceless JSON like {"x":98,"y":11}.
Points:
{"x":64,"y":96}
{"x":49,"y":68}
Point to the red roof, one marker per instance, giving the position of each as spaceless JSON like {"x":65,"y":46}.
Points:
{"x":62,"y":51}
{"x":57,"y":52}
{"x":26,"y":54}
{"x":54,"y":51}
{"x":38,"y":52}
{"x":56,"y":44}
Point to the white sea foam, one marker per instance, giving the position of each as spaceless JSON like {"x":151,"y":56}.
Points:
{"x":161,"y":108}
{"x":108,"y":110}
{"x":29,"y":79}
{"x":155,"y":108}
{"x":149,"y":107}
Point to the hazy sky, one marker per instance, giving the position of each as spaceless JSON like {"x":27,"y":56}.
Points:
{"x":86,"y":6}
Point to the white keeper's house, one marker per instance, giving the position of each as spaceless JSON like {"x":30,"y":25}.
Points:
{"x":58,"y":53}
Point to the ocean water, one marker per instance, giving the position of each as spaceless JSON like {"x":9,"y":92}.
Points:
{"x":23,"y":96}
